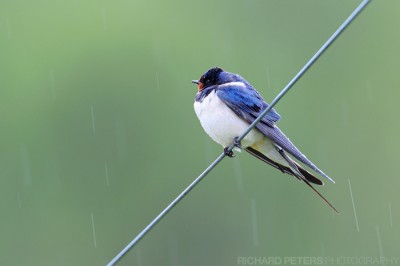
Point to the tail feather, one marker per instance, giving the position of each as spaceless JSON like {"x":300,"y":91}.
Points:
{"x":320,"y":195}
{"x":305,"y":176}
{"x":278,"y":137}
{"x":310,"y":177}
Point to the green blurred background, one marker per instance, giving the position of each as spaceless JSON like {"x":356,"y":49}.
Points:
{"x":98,"y":132}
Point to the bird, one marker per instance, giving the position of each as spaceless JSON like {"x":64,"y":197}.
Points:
{"x":226,"y":104}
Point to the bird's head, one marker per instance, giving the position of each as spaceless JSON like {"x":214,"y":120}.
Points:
{"x":216,"y":76}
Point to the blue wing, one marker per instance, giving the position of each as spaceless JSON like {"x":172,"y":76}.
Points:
{"x":248,"y":104}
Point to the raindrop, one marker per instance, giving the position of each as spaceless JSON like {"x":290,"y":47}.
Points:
{"x":254,"y":222}
{"x":93,"y":123}
{"x":239,"y":176}
{"x":138,"y":256}
{"x":121,"y":141}
{"x":378,"y":236}
{"x":27,"y":177}
{"x":107,"y":179}
{"x":158,"y":82}
{"x":345,"y":113}
{"x":8,"y":28}
{"x":52,"y":83}
{"x":104,"y":18}
{"x":173,"y":250}
{"x":295,"y":232}
{"x":94,"y":231}
{"x":354,"y":206}
{"x":323,"y":253}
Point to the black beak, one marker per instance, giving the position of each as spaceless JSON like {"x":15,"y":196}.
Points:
{"x":196,"y":82}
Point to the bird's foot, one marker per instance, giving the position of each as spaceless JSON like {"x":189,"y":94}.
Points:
{"x":237,"y":143}
{"x":228,"y":152}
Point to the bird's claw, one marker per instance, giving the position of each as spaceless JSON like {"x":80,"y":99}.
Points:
{"x":228,"y":152}
{"x":237,"y":143}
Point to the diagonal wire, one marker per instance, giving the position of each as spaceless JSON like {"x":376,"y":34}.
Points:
{"x":304,"y":69}
{"x":347,"y":22}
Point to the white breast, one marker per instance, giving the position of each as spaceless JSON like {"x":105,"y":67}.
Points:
{"x":221,"y":123}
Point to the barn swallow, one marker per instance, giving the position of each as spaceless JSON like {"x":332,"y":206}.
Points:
{"x":226,"y":104}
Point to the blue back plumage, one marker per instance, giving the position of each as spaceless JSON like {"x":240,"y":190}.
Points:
{"x":242,"y":98}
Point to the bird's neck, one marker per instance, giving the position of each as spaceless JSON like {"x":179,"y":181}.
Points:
{"x":201,"y":95}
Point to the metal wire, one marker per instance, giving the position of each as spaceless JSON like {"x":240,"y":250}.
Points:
{"x":347,"y":22}
{"x":304,"y":69}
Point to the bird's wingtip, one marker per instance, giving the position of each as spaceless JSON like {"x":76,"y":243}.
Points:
{"x":319,"y":171}
{"x":330,"y":179}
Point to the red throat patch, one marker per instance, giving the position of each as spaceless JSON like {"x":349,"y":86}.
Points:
{"x":200,"y":86}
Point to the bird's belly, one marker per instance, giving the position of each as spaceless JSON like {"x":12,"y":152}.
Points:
{"x":222,"y":124}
